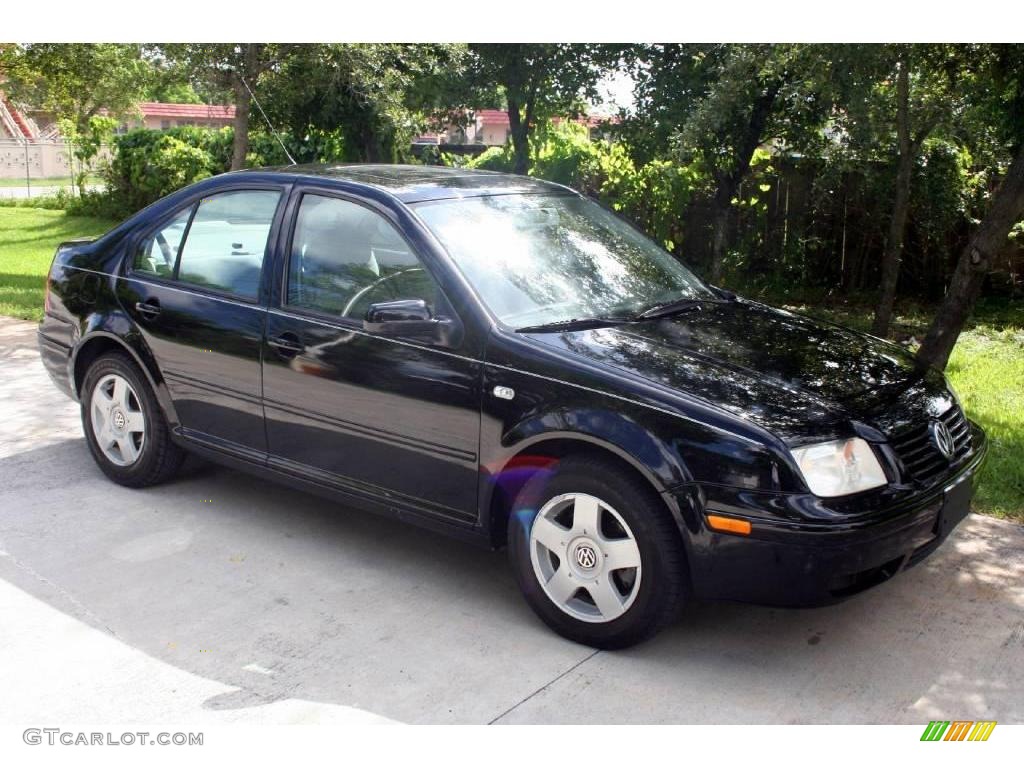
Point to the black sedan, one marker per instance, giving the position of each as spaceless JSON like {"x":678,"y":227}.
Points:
{"x":503,"y":360}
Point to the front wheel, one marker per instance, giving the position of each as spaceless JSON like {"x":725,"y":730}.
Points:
{"x":596,"y":554}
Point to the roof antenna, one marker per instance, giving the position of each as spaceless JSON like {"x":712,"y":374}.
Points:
{"x":269,"y":124}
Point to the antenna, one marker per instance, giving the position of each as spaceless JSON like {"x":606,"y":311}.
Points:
{"x":269,"y":124}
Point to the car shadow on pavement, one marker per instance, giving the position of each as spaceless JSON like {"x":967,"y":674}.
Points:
{"x":286,"y":595}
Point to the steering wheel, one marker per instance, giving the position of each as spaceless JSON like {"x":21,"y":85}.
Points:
{"x":375,"y":285}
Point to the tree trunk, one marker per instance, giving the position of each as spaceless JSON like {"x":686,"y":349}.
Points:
{"x":241,"y":143}
{"x":520,"y":130}
{"x":240,"y":148}
{"x":892,"y":256}
{"x":722,"y":206}
{"x":1007,"y":209}
{"x":729,"y":181}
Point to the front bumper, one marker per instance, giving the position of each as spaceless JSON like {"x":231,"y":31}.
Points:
{"x":793,"y":567}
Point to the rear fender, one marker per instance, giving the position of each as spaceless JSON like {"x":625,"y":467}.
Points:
{"x":118,"y":329}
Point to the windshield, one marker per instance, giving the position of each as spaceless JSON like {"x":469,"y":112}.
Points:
{"x":539,"y":259}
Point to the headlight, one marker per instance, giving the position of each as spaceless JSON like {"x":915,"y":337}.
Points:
{"x":839,"y":467}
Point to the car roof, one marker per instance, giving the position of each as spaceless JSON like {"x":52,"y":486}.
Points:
{"x":418,"y":183}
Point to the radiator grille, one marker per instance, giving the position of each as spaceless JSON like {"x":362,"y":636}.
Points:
{"x":919,"y":455}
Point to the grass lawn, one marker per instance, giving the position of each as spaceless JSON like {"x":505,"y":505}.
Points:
{"x":987,"y":367}
{"x":53,"y":181}
{"x":28,"y":238}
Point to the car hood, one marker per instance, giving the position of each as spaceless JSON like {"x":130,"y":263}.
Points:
{"x":785,"y":372}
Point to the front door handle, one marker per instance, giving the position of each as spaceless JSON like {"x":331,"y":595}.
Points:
{"x":149,"y":308}
{"x":287,"y":345}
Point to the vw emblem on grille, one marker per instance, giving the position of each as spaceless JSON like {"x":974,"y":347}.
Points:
{"x":942,"y":438}
{"x":586,"y":557}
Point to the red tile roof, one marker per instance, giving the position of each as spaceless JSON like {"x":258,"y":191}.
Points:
{"x":591,"y":121}
{"x":492,"y":116}
{"x":500,"y":117}
{"x":200,"y":111}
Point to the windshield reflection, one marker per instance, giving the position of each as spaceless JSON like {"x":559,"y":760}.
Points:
{"x":551,"y":258}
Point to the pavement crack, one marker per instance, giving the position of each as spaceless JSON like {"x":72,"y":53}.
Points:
{"x":544,"y":687}
{"x":82,"y":610}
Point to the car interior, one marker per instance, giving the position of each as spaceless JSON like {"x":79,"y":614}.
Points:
{"x":345,"y":257}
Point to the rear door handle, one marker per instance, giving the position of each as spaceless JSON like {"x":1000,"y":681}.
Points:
{"x":287,"y":345}
{"x":149,"y":308}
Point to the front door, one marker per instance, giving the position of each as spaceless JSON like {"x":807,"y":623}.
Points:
{"x":387,"y":418}
{"x":193,"y":288}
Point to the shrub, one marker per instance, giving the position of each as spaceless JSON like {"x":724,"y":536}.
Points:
{"x":54,"y":202}
{"x":150,"y":164}
{"x":494,"y":159}
{"x":654,"y":196}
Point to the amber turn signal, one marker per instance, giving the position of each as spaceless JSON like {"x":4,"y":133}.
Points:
{"x":729,"y":525}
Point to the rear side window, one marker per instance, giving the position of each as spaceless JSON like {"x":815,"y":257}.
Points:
{"x":158,"y":254}
{"x":216,"y":243}
{"x":226,"y":241}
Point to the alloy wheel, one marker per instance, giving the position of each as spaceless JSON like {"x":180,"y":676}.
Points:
{"x":118,"y":422}
{"x":585,"y":557}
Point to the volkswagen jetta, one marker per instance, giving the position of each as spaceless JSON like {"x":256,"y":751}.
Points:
{"x":503,"y":360}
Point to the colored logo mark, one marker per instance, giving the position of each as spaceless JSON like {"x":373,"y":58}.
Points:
{"x":958,"y":730}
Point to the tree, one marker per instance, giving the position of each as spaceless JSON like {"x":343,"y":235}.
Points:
{"x":995,"y":111}
{"x":373,"y":95}
{"x":84,"y":85}
{"x":537,"y":81}
{"x":716,"y":104}
{"x":228,"y":68}
{"x":918,"y":86}
{"x":1006,"y":209}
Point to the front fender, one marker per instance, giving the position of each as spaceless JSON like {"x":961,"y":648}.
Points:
{"x":616,"y":432}
{"x":546,"y":419}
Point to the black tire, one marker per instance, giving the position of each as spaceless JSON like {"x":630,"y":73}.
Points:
{"x":662,"y":588}
{"x":159,"y":458}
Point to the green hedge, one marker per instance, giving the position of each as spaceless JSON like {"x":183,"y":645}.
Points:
{"x":148,"y":164}
{"x":653,"y":196}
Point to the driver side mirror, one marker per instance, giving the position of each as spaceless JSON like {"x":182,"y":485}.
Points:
{"x":399,"y":311}
{"x":411,"y":318}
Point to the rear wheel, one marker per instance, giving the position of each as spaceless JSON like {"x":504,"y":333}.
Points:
{"x":596,"y":554}
{"x":124,"y":426}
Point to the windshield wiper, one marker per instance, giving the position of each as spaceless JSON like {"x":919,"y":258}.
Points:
{"x":675,"y":306}
{"x":575,"y":324}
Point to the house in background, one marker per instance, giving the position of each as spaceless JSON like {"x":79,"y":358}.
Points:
{"x":28,"y":150}
{"x":15,"y":125}
{"x":490,"y":128}
{"x":160,"y":116}
{"x":18,"y":124}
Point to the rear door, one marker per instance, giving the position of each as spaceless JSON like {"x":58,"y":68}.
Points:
{"x":194,"y":288}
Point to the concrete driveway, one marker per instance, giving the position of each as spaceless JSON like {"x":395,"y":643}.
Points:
{"x":223,"y":598}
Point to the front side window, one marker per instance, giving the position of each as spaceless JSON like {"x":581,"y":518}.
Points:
{"x":226,"y":241}
{"x":537,"y":259}
{"x":345,"y":257}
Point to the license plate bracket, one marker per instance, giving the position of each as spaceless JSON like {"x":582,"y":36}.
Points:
{"x":955,"y":506}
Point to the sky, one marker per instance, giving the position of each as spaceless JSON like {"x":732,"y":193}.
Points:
{"x":617,"y":92}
